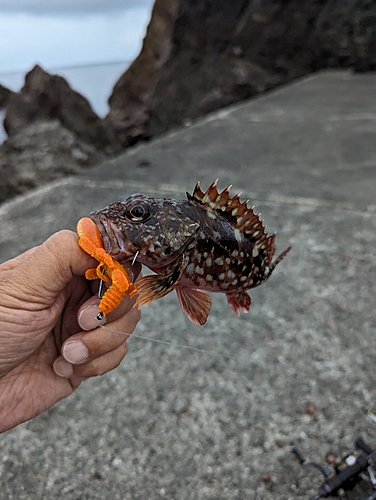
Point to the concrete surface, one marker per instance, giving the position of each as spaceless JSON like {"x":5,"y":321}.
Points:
{"x":176,"y":423}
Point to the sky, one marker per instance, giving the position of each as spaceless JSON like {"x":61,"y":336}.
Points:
{"x":73,"y":37}
{"x":64,"y":33}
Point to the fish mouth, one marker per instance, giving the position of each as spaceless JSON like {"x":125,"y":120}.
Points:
{"x":113,"y":241}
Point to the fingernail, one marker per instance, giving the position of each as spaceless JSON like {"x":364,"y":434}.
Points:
{"x":75,"y":351}
{"x":87,"y":319}
{"x":62,"y":368}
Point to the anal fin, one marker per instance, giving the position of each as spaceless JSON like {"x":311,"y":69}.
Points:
{"x":195,"y":304}
{"x":240,"y":302}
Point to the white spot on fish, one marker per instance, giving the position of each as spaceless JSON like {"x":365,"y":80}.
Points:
{"x":197,"y":256}
{"x":221,"y":276}
{"x":190,"y":268}
{"x":219,"y":261}
{"x":234,"y":282}
{"x":230,"y":274}
{"x":199,"y":270}
{"x":228,"y":260}
{"x":208,"y":262}
{"x":209,"y":277}
{"x":235,"y":253}
{"x":243,"y":278}
{"x":255,"y":252}
{"x":238,"y":235}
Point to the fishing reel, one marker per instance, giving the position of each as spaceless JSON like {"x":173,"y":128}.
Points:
{"x":346,"y":475}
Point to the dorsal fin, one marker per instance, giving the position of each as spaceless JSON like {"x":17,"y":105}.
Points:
{"x":269,"y":248}
{"x":238,"y":213}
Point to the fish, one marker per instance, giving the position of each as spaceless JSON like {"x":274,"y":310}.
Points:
{"x":210,"y":242}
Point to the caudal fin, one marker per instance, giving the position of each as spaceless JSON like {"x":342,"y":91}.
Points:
{"x":280,"y":257}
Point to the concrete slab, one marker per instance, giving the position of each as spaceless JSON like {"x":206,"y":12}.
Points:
{"x":184,"y":424}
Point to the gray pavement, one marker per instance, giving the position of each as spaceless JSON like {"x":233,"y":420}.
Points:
{"x":180,"y":424}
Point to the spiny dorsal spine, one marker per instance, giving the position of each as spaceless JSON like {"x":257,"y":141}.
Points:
{"x":240,"y":215}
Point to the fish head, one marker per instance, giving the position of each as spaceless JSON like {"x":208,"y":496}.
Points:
{"x":155,"y":229}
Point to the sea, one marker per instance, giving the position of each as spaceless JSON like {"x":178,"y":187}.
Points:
{"x":93,"y":81}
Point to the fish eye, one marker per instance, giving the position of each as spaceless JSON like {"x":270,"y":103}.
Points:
{"x":138,"y":213}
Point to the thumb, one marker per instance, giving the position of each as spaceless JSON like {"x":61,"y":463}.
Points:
{"x":40,"y":275}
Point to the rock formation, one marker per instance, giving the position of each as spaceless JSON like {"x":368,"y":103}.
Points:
{"x":216,"y":53}
{"x":49,"y":97}
{"x":129,"y":103}
{"x":40,"y":152}
{"x":5,"y":95}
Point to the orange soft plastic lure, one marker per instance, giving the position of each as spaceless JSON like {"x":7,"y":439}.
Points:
{"x":108,"y":269}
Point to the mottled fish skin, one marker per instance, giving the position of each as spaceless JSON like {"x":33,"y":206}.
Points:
{"x":208,"y":242}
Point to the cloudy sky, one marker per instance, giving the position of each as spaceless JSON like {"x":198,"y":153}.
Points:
{"x":61,"y":33}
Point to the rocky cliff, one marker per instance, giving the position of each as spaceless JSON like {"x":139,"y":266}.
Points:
{"x":216,"y":53}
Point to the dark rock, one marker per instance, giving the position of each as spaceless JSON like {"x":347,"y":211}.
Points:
{"x":226,"y":52}
{"x":40,"y":152}
{"x":49,"y":97}
{"x":129,"y":103}
{"x":4,"y":96}
{"x":217,"y":53}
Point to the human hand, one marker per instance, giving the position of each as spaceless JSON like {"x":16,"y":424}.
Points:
{"x":46,"y":309}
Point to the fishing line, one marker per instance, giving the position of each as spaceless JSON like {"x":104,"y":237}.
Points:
{"x":165,"y":342}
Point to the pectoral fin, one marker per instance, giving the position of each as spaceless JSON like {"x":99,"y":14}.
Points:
{"x":195,"y":304}
{"x":154,"y":286}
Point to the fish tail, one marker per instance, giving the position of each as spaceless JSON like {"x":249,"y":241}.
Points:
{"x":280,"y":257}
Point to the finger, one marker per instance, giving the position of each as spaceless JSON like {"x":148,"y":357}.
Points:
{"x":92,"y":368}
{"x":88,"y":313}
{"x":16,"y":261}
{"x":89,"y":316}
{"x":86,"y":346}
